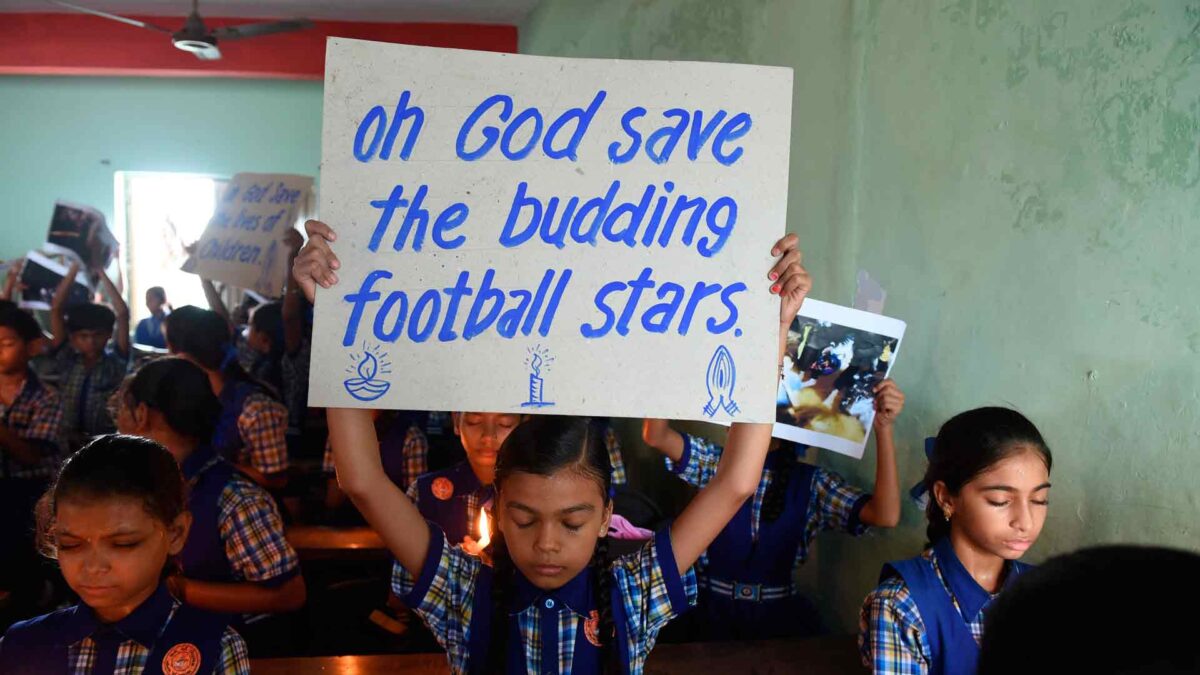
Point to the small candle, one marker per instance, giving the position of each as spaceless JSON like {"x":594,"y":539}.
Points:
{"x":485,"y":532}
{"x":476,"y":548}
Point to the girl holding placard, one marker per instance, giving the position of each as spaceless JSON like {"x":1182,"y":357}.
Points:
{"x":553,"y":599}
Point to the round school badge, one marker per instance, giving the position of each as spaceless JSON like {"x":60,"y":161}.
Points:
{"x":442,"y":488}
{"x":591,"y":628}
{"x":182,"y":659}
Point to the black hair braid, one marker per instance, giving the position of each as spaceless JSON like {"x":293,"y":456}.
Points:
{"x":502,"y":585}
{"x":605,"y":629}
{"x":937,"y":525}
{"x":775,"y":499}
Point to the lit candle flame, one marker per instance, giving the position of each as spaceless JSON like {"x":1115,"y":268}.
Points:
{"x":485,"y":530}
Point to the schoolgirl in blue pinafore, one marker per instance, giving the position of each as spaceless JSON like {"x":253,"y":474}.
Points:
{"x":237,"y":533}
{"x":927,"y":614}
{"x":745,"y":576}
{"x":453,"y":596}
{"x":160,"y":637}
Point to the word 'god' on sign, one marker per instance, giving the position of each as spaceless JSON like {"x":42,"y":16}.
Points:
{"x":243,"y":244}
{"x":571,"y":236}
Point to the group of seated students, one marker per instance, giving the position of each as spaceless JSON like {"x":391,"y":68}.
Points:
{"x":152,"y":488}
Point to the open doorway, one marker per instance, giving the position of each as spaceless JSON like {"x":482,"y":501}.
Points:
{"x":162,"y":212}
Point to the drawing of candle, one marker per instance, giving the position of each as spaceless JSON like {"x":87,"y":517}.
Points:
{"x":721,"y":378}
{"x":366,"y":387}
{"x":536,"y":383}
{"x":535,"y":379}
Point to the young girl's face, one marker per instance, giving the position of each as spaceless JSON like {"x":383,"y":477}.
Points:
{"x":112,"y":552}
{"x":551,"y":524}
{"x":1002,"y":510}
{"x":482,"y":434}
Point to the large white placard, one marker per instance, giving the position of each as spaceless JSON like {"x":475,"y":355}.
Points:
{"x":531,"y":234}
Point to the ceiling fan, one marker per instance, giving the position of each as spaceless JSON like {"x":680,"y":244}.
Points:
{"x":195,"y":37}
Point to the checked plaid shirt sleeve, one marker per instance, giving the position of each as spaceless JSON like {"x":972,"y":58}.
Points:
{"x":36,"y":415}
{"x":838,"y":503}
{"x":443,"y":595}
{"x":653,"y":593}
{"x":613,"y":443}
{"x":252,"y":529}
{"x":416,"y":457}
{"x":263,"y":427}
{"x":891,"y":636}
{"x":235,"y":658}
{"x":699,"y":462}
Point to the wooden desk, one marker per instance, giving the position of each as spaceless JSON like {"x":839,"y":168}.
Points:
{"x":314,"y":542}
{"x":820,"y":656}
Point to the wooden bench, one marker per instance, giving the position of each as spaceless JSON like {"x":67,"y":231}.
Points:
{"x":315,"y":542}
{"x":817,"y":656}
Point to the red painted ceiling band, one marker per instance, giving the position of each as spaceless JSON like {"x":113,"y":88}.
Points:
{"x":69,"y":44}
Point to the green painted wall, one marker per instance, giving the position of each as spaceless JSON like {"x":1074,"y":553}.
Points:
{"x":64,"y":137}
{"x":1022,"y":176}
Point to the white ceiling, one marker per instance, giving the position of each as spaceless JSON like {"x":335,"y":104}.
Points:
{"x":507,"y":12}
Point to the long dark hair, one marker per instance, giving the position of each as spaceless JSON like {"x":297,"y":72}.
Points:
{"x":544,"y":445}
{"x":116,"y":465}
{"x":179,"y":390}
{"x":969,"y":444}
{"x":207,"y":338}
{"x":781,"y":461}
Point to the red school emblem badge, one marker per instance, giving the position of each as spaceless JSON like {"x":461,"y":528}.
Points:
{"x":182,"y":659}
{"x":442,"y":488}
{"x":591,"y":628}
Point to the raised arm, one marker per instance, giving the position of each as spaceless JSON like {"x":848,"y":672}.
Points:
{"x":746,"y":449}
{"x":121,"y":309}
{"x":352,"y":435}
{"x":293,"y":301}
{"x":58,"y":321}
{"x":13,"y":279}
{"x":659,"y":435}
{"x":240,"y":597}
{"x":213,"y":296}
{"x":883,"y":509}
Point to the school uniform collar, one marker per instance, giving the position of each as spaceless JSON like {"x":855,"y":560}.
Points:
{"x":199,"y":461}
{"x":575,"y":594}
{"x":143,"y":625}
{"x":972,"y":597}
